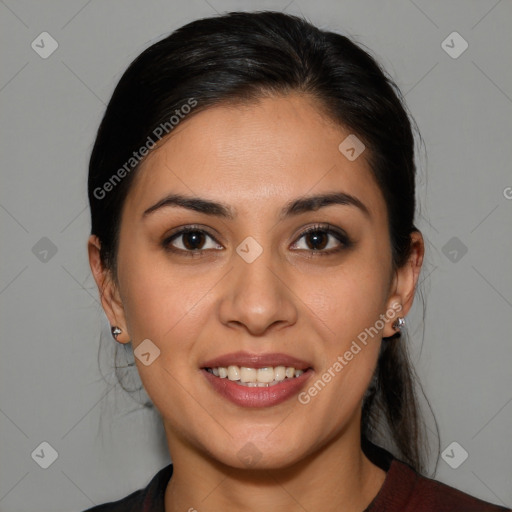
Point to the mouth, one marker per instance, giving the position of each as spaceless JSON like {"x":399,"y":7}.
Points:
{"x":252,"y":380}
{"x":256,"y":377}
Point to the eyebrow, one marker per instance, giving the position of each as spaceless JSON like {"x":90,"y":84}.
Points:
{"x":292,"y":208}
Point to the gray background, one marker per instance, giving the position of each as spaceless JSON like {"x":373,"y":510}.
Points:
{"x":52,"y":324}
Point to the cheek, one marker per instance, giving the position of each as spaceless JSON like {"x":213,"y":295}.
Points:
{"x":157,"y":298}
{"x":167,"y":309}
{"x":349,"y":304}
{"x":348,"y":301}
{"x":171,"y":308}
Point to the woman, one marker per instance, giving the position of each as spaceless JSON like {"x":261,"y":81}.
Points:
{"x":252,"y":191}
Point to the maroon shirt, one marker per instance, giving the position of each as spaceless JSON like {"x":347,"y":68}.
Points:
{"x":403,"y":490}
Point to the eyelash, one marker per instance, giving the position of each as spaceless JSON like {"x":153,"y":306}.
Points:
{"x":341,"y":236}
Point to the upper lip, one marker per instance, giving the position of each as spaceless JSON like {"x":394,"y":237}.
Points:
{"x":256,"y":361}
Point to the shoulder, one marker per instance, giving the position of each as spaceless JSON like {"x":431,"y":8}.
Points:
{"x":405,"y":490}
{"x":422,"y":494}
{"x":131,"y":503}
{"x":151,"y":498}
{"x":441,"y":497}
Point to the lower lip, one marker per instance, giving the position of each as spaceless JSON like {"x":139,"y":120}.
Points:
{"x":255,"y":396}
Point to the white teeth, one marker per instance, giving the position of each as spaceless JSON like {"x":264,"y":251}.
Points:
{"x":265,"y":375}
{"x":248,"y":375}
{"x":256,"y":377}
{"x":280,"y":373}
{"x":233,"y":373}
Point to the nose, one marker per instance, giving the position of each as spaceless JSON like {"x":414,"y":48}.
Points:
{"x":258,"y":296}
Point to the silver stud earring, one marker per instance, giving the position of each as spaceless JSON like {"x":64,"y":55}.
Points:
{"x":399,"y":323}
{"x":116,"y":331}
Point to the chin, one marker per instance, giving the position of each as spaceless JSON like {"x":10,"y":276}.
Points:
{"x":259,"y":452}
{"x":250,"y":458}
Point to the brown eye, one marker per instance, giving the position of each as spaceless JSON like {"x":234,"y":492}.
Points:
{"x":323,"y":240}
{"x":317,"y":240}
{"x":190,"y":241}
{"x":193,"y":240}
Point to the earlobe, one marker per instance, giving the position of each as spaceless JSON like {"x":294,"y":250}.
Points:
{"x":404,"y":285}
{"x":109,"y":293}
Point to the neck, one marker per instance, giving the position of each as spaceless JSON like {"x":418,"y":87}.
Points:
{"x":339,"y":477}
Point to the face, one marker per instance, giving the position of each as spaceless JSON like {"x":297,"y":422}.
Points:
{"x":248,"y":286}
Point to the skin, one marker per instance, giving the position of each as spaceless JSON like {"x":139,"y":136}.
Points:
{"x":256,"y":158}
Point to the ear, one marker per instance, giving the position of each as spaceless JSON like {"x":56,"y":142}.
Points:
{"x":109,"y":292}
{"x":404,"y":283}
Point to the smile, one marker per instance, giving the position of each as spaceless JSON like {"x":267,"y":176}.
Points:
{"x":255,"y":377}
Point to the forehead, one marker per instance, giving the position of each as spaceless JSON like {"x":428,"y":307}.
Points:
{"x":255,"y":154}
